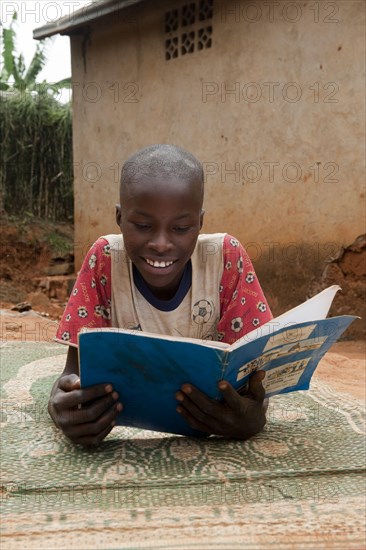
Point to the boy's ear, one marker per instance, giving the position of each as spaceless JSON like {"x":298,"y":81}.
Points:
{"x":118,"y":215}
{"x":201,"y":218}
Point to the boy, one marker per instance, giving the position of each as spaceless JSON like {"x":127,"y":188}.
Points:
{"x":162,"y":277}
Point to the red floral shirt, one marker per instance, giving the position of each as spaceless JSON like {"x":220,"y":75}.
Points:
{"x":243,"y":306}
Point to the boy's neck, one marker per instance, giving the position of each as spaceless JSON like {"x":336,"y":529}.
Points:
{"x":166,"y":293}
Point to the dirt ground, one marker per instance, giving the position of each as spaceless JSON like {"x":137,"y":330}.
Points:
{"x":31,"y":250}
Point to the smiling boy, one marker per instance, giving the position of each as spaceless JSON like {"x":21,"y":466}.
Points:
{"x":160,"y":275}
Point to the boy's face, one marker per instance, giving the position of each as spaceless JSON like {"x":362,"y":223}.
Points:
{"x":160,"y":222}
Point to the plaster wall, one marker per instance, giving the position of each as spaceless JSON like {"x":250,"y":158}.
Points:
{"x":275,"y":110}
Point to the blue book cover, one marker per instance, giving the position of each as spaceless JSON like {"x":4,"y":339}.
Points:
{"x":148,"y":369}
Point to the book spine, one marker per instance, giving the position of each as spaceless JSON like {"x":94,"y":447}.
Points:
{"x":224,"y":361}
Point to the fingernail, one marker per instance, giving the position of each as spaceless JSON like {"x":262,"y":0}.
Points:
{"x":222,"y":386}
{"x":187,"y":389}
{"x":179,"y":409}
{"x":179,"y":396}
{"x":115,"y":395}
{"x":119,"y":407}
{"x":108,"y":388}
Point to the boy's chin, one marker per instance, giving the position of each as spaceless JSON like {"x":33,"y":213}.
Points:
{"x":160,"y":279}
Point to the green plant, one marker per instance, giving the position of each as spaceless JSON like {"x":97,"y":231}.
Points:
{"x":36,"y":156}
{"x":59,"y":243}
{"x":15,"y":76}
{"x":35,"y":138}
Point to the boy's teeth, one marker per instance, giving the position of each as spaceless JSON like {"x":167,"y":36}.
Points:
{"x":158,"y":264}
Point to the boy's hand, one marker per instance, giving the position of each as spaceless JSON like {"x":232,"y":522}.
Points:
{"x":85,"y":416}
{"x":238,"y":416}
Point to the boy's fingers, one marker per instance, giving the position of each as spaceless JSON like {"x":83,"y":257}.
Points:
{"x":95,"y":440}
{"x":92,"y":429}
{"x":193,"y":422}
{"x":256,"y":390}
{"x":199,"y":404}
{"x":69,"y":382}
{"x":91,"y":413}
{"x":230,"y":395}
{"x":73,"y":398}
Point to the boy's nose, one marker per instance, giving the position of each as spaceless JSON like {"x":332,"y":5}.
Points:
{"x":160,"y":242}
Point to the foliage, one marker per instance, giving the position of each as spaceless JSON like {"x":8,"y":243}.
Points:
{"x":35,"y":138}
{"x":14,"y":74}
{"x":36,"y":156}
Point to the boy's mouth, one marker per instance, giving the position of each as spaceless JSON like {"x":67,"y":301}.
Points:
{"x":159,"y":264}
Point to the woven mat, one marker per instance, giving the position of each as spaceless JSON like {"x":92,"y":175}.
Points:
{"x":298,"y":484}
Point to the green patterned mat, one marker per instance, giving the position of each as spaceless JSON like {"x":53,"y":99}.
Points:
{"x":299,"y":484}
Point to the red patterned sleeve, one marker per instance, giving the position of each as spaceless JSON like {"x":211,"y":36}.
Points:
{"x":90,"y":302}
{"x":243,"y":306}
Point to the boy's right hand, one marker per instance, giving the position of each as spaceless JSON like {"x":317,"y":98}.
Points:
{"x":86,"y":416}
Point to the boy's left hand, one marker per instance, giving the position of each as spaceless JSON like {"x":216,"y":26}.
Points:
{"x":237,"y":416}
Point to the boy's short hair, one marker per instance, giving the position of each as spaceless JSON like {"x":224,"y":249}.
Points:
{"x":163,"y":160}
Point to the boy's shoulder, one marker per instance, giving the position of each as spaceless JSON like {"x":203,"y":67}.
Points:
{"x":208,"y":250}
{"x":113,"y":238}
{"x":211,"y":237}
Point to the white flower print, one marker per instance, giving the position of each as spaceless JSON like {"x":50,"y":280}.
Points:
{"x":243,"y":301}
{"x":107,"y":249}
{"x":93,"y":284}
{"x":262,"y":307}
{"x":98,"y":310}
{"x":92,"y":261}
{"x":255,"y":322}
{"x":234,"y":242}
{"x":106,"y":313}
{"x":240,"y":265}
{"x":250,"y":277}
{"x":228,"y":265}
{"x":221,"y":288}
{"x":103,"y":280}
{"x":68,"y":317}
{"x":235,"y":294}
{"x":65,"y":336}
{"x":75,"y":291}
{"x":82,"y":312}
{"x":220,"y":336}
{"x":236,"y":324}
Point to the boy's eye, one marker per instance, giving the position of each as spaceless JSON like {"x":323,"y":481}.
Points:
{"x":180,"y":229}
{"x":142,"y":226}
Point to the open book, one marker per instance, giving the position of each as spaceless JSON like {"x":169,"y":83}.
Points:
{"x":148,"y":369}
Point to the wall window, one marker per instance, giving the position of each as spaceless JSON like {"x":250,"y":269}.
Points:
{"x":188,"y":29}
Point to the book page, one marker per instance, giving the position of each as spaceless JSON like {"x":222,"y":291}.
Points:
{"x":314,"y":309}
{"x":288,"y":357}
{"x":270,"y":353}
{"x":284,"y":376}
